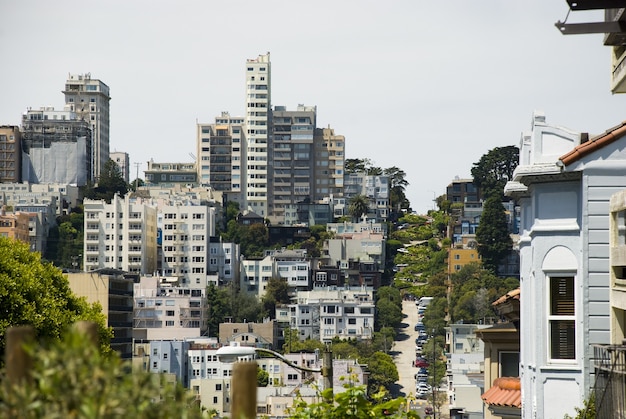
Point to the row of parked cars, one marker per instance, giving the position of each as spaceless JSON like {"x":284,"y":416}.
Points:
{"x":422,"y":388}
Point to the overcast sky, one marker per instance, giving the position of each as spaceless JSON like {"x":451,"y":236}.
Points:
{"x":427,"y":86}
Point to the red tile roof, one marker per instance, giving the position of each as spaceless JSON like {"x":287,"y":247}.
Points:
{"x":594,"y":144}
{"x":506,"y":392}
{"x":511,"y":295}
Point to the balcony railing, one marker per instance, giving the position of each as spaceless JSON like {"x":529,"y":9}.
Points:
{"x":610,"y":385}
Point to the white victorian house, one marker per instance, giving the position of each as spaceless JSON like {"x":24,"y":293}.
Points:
{"x":563,"y":185}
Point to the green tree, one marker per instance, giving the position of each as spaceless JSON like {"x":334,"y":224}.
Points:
{"x":262,"y":377}
{"x":358,"y":206}
{"x":492,"y":234}
{"x":110,"y":182}
{"x":36,"y":293}
{"x":494,"y":169}
{"x":388,"y":313}
{"x":397,"y":187}
{"x":218,"y":301}
{"x":383,"y":371}
{"x":276,"y":292}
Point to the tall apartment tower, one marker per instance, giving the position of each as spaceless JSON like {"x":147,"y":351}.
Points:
{"x":89,"y":98}
{"x":291,"y":160}
{"x":10,"y":154}
{"x":257,"y":119}
{"x":329,"y":164}
{"x":220,"y":156}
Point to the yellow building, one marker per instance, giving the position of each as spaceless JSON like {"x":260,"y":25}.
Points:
{"x":463,"y":254}
{"x":15,"y":225}
{"x":113,"y":289}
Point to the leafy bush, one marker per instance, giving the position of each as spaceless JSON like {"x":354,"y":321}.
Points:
{"x":351,"y":403}
{"x":72,"y":379}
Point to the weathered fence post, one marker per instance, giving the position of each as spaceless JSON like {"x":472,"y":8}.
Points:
{"x":243,"y":400}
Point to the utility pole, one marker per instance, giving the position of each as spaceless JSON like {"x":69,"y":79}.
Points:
{"x":434,"y":377}
{"x":137,"y":177}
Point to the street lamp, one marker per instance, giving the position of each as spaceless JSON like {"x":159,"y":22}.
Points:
{"x":244,"y":374}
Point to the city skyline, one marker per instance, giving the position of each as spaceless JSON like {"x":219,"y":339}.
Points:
{"x":457,"y":83}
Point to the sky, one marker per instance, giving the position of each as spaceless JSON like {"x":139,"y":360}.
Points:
{"x":426,"y":86}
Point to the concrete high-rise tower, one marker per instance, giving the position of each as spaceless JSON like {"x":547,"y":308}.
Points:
{"x":257,"y":119}
{"x":89,"y":98}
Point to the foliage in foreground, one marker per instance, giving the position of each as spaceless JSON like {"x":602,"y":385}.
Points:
{"x":72,"y":379}
{"x":36,"y":293}
{"x":353,"y":402}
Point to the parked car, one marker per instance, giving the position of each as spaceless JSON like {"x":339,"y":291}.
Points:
{"x":421,"y":378}
{"x":421,"y":363}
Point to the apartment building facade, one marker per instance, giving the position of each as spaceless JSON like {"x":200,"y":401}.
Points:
{"x":186,"y":231}
{"x":163,"y":309}
{"x":257,"y":121}
{"x":221,"y":156}
{"x":10,"y":154}
{"x":120,"y":235}
{"x":57,"y":147}
{"x":323,"y":314}
{"x":14,"y":225}
{"x":89,"y":99}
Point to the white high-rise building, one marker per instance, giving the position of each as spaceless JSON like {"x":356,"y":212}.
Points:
{"x":187,"y":230}
{"x":89,"y":98}
{"x":257,"y":118}
{"x":120,"y":235}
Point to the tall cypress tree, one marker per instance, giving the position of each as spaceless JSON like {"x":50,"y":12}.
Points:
{"x":492,"y":235}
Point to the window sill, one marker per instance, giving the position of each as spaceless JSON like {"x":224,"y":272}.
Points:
{"x":573,"y":367}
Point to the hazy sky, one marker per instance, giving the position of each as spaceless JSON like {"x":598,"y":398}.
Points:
{"x":427,"y":86}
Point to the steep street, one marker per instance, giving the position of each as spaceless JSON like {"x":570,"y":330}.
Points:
{"x":404,"y":354}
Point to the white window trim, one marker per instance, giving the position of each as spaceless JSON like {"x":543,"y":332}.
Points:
{"x":548,"y":317}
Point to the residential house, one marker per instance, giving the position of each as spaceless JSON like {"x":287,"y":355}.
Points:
{"x":502,"y":345}
{"x":563,"y":184}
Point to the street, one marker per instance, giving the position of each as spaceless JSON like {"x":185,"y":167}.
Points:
{"x":404,"y":354}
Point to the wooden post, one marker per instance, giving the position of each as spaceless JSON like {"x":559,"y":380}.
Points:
{"x":327,"y":370}
{"x":18,"y":362}
{"x":243,"y":391}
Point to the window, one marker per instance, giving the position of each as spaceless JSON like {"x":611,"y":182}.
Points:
{"x":509,"y":364}
{"x":561,"y":318}
{"x":218,"y":387}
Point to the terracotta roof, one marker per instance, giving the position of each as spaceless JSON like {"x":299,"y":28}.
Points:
{"x":505,"y":392}
{"x":594,"y":144}
{"x":511,"y":295}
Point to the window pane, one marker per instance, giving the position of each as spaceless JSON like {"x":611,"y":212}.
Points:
{"x":562,"y":296}
{"x":562,"y":339}
{"x":509,"y":364}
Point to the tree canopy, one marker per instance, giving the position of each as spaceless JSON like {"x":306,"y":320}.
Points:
{"x":494,"y":169}
{"x":492,"y":234}
{"x":109,"y":183}
{"x":36,"y":293}
{"x":358,"y":206}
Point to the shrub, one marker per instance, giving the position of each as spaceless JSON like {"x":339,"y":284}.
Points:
{"x":72,"y":379}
